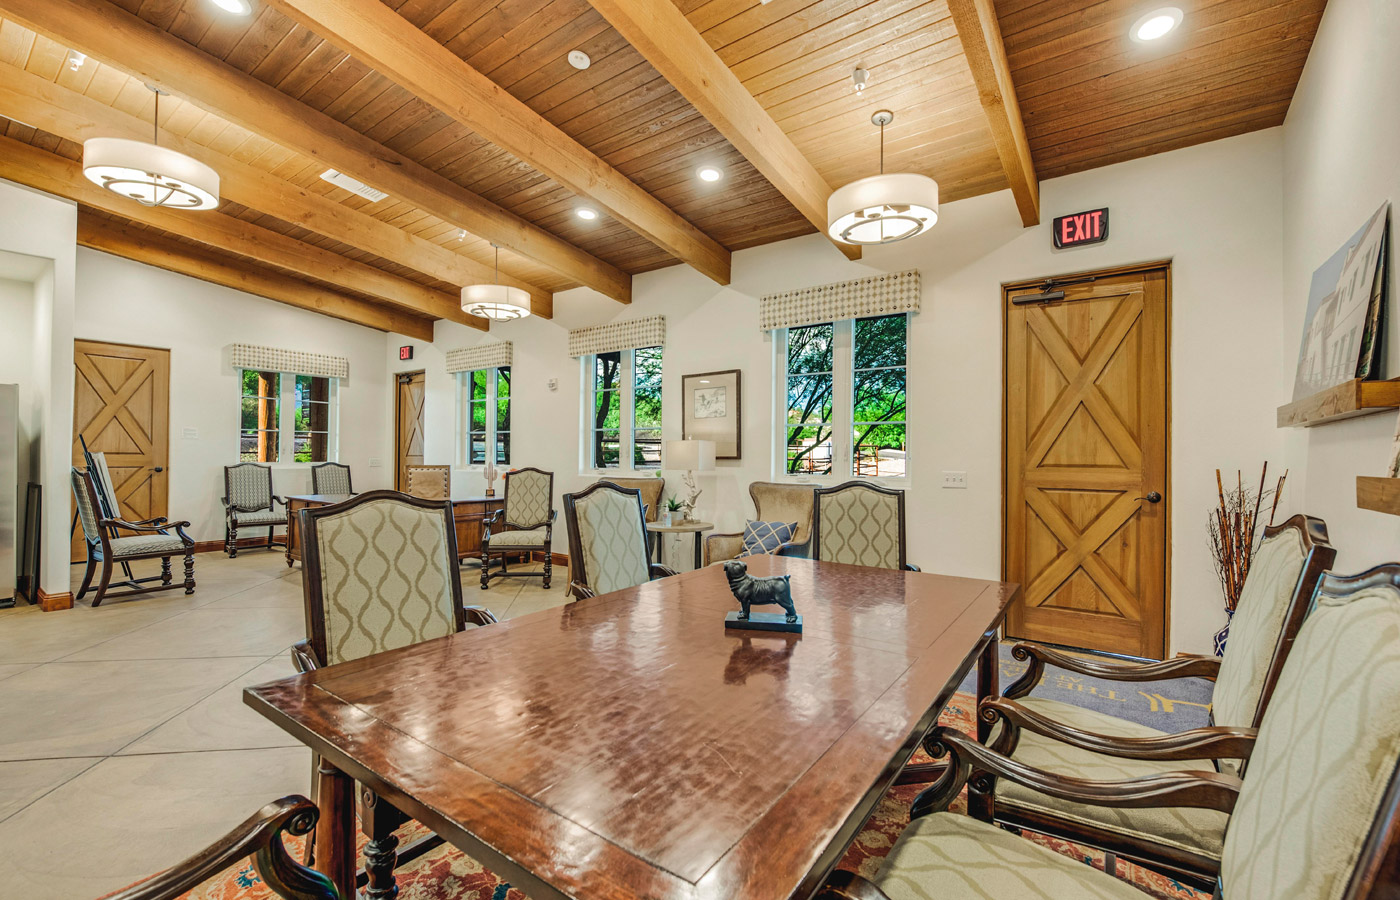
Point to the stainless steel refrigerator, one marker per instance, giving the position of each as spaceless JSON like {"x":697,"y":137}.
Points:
{"x":9,"y":491}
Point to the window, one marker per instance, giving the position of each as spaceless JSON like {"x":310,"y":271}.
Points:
{"x":622,"y":409}
{"x":309,"y":427}
{"x":845,"y":384}
{"x":486,"y":411}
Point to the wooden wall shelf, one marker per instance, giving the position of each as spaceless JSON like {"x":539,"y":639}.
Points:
{"x":1345,"y":401}
{"x":1379,"y":494}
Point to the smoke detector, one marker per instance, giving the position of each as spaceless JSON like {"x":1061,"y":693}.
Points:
{"x":353,"y":185}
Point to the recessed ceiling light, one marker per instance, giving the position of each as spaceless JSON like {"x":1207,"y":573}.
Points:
{"x":237,"y":7}
{"x":1156,"y":24}
{"x":586,"y":213}
{"x":579,"y":60}
{"x":709,"y":173}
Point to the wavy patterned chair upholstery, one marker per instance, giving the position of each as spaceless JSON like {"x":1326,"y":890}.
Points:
{"x":428,"y":482}
{"x":330,"y":479}
{"x":1051,"y":735}
{"x":772,"y":502}
{"x":860,"y":524}
{"x":249,"y":502}
{"x":653,"y":489}
{"x":1316,"y":817}
{"x":379,"y":572}
{"x":149,"y":539}
{"x":608,"y":546}
{"x":529,"y":511}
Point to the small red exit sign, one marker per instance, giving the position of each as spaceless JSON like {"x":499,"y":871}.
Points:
{"x":406,"y":352}
{"x":1081,"y":228}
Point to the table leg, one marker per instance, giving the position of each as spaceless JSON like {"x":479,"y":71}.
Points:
{"x":335,"y":831}
{"x":378,"y":820}
{"x":698,"y":546}
{"x":980,"y":806}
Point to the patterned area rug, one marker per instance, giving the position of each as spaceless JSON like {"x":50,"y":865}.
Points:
{"x":448,"y":874}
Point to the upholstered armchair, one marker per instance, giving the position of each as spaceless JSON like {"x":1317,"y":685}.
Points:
{"x":1073,"y":741}
{"x":608,"y":546}
{"x":148,"y":539}
{"x":331,"y":479}
{"x":653,"y":489}
{"x":529,"y":513}
{"x":249,"y":502}
{"x":1314,"y":817}
{"x":428,"y":482}
{"x":379,"y":572}
{"x":772,"y":502}
{"x":860,"y":524}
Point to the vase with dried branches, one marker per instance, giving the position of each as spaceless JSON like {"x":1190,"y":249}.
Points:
{"x":1235,"y":531}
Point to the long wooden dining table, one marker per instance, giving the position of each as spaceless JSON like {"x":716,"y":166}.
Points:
{"x":629,"y":746}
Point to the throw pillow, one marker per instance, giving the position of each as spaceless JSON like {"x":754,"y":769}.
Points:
{"x":763,"y":538}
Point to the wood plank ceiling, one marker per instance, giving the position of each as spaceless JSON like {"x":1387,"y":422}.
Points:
{"x":1087,"y":94}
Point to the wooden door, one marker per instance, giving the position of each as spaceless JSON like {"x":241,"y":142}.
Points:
{"x":408,"y":428}
{"x":121,"y":406}
{"x":1086,"y":452}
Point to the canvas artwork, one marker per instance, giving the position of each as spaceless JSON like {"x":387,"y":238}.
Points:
{"x":710,"y":403}
{"x":1346,"y":306}
{"x":712,"y":410}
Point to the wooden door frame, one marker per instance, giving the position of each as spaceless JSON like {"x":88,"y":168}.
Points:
{"x":398,"y":435}
{"x":1164,"y":266}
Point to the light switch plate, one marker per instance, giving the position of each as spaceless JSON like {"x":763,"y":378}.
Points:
{"x":190,"y":434}
{"x":955,"y":479}
{"x":375,"y":462}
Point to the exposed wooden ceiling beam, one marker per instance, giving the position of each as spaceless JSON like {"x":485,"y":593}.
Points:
{"x":980,"y":35}
{"x":41,"y":103}
{"x":396,"y":48}
{"x":164,"y":252}
{"x":659,"y":31}
{"x":44,"y":171}
{"x":104,"y":31}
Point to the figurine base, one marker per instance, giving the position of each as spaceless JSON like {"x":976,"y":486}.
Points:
{"x":763,"y":621}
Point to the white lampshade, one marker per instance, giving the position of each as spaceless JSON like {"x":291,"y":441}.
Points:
{"x":693,"y":456}
{"x":149,"y":174}
{"x":882,"y":209}
{"x":495,"y":301}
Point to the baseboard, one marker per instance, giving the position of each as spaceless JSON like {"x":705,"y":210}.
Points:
{"x":243,"y":543}
{"x":54,"y":602}
{"x":557,"y":559}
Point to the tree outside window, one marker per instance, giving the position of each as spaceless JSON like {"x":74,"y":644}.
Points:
{"x":313,"y":419}
{"x":258,"y":425}
{"x":487,"y":411}
{"x":878,"y":405}
{"x":623,"y":407}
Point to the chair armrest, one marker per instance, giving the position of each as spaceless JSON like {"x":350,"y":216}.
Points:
{"x":722,"y":546}
{"x":276,"y":500}
{"x":143,"y":528}
{"x":1213,"y":742}
{"x":1198,"y":789}
{"x":479,"y":615}
{"x":581,"y":591}
{"x":304,"y":658}
{"x":843,"y":885}
{"x":660,"y":571}
{"x":910,"y":567}
{"x":224,"y":501}
{"x":795,"y":550}
{"x":1036,"y":656}
{"x":158,"y":521}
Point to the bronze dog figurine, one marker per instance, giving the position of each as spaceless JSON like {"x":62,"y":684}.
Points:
{"x":751,"y":590}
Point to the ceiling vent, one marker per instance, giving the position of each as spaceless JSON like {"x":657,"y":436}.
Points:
{"x":354,"y":186}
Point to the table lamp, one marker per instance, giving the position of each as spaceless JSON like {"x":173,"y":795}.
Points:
{"x":692,"y":456}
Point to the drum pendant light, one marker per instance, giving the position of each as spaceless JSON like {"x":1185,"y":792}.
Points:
{"x":883,"y":208}
{"x":150,"y":174}
{"x":496,"y":301}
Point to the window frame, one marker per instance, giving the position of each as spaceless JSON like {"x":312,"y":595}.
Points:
{"x":493,"y":431}
{"x":286,"y":419}
{"x":627,"y":413}
{"x":842,"y":408}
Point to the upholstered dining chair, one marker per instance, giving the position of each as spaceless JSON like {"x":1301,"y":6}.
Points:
{"x":148,"y":539}
{"x":860,"y":524}
{"x":529,"y":513}
{"x":428,"y":482}
{"x":260,"y":836}
{"x":1316,"y":817}
{"x":249,"y":502}
{"x":379,"y":572}
{"x":1073,"y":741}
{"x":653,"y":489}
{"x":331,"y":479}
{"x":608,"y":546}
{"x":772,"y":502}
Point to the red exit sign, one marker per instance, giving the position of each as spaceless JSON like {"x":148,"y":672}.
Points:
{"x":1081,"y":228}
{"x":406,"y":352}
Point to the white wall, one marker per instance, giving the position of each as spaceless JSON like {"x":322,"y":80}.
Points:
{"x":1341,"y":161}
{"x":127,"y":302}
{"x":17,"y":367}
{"x":1214,"y":210}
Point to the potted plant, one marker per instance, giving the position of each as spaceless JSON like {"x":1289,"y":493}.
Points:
{"x":673,"y":506}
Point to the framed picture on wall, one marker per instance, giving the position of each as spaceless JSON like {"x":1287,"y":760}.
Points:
{"x":712,"y":411}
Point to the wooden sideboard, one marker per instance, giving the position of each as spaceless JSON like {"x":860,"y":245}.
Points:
{"x":467,"y":514}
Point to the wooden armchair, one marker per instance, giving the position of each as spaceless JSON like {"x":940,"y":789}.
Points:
{"x":608,"y":546}
{"x":428,"y":482}
{"x":1317,"y":814}
{"x":408,"y":578}
{"x":330,"y":478}
{"x":772,"y":502}
{"x":260,"y":836}
{"x":249,"y":502}
{"x":148,"y":539}
{"x":529,"y":513}
{"x":1073,"y":741}
{"x":860,"y":524}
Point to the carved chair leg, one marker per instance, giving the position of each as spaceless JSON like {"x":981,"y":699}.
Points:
{"x":485,"y":568}
{"x":87,"y":575}
{"x":548,"y":566}
{"x":165,"y":573}
{"x":231,"y":538}
{"x":378,"y":820}
{"x":102,"y":585}
{"x":189,"y":570}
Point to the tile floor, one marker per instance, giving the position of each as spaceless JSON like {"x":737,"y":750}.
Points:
{"x":126,"y":744}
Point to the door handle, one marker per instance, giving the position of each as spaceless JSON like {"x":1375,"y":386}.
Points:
{"x":158,"y":469}
{"x":1152,"y":497}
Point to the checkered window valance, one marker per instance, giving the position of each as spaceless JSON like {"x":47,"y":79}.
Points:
{"x":878,"y":295}
{"x":625,"y":335}
{"x":270,"y":359}
{"x":484,"y":356}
